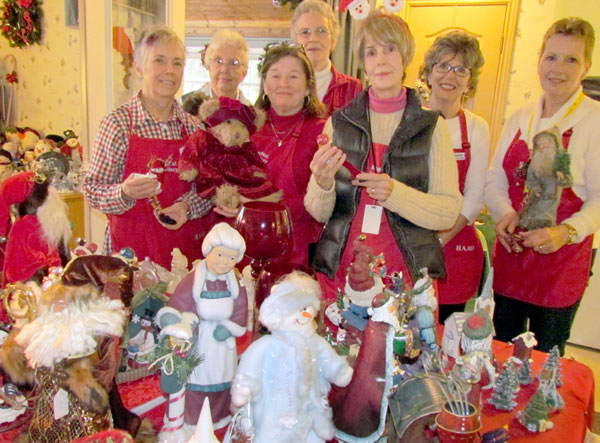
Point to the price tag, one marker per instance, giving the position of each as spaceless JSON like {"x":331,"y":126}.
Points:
{"x":372,"y":219}
{"x":61,"y":404}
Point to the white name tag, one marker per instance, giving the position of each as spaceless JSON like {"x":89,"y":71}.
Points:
{"x":372,"y":219}
{"x":61,"y":404}
{"x":459,"y":156}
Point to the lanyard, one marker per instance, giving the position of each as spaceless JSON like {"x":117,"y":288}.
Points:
{"x":569,"y":112}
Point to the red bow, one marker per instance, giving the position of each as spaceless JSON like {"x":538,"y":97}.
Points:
{"x":12,"y":77}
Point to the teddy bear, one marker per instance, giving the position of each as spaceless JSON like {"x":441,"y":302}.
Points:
{"x":221,"y":160}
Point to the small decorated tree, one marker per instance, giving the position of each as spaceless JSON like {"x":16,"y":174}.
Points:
{"x":504,"y":394}
{"x":535,"y":415}
{"x":524,"y":374}
{"x":553,"y":361}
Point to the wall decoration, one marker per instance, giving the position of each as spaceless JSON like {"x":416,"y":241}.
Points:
{"x":21,"y":22}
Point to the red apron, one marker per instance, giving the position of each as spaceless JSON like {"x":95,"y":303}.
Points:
{"x":384,"y":242}
{"x":288,"y":167}
{"x":138,"y":228}
{"x":464,"y":253}
{"x":553,"y":280}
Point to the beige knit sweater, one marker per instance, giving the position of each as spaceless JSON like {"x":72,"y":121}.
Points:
{"x":437,"y":209}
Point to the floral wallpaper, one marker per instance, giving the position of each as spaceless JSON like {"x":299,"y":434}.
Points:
{"x":535,"y":17}
{"x":48,"y":93}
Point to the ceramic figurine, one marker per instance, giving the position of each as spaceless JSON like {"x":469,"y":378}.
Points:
{"x":213,"y":292}
{"x":475,"y":367}
{"x":548,"y":387}
{"x":359,"y":409}
{"x":285,"y":376}
{"x":524,"y":344}
{"x":423,"y":298}
{"x":547,"y":174}
{"x":535,"y":415}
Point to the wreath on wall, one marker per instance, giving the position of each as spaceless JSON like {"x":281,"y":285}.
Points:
{"x":21,"y":22}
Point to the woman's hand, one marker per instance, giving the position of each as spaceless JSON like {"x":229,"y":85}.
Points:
{"x":325,"y":164}
{"x":449,"y":234}
{"x":137,"y":186}
{"x":504,"y":229}
{"x":178,"y":212}
{"x":379,"y":186}
{"x":546,"y":240}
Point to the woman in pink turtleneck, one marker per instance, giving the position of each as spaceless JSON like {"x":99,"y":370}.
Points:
{"x":389,"y":173}
{"x":407,"y":188}
{"x":288,"y":140}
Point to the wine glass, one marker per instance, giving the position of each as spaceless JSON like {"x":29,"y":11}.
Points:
{"x":267,"y":229}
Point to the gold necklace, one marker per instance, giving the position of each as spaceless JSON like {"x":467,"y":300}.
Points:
{"x":276,"y":134}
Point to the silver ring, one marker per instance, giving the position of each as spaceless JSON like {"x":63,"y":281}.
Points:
{"x":328,"y":161}
{"x":540,"y":247}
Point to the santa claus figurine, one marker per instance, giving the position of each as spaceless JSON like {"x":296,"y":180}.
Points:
{"x":37,"y":238}
{"x":286,"y":376}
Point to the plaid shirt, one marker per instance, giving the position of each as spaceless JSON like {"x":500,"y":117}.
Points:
{"x":102,"y":180}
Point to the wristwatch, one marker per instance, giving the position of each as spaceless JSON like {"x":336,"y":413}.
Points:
{"x":572,"y":238}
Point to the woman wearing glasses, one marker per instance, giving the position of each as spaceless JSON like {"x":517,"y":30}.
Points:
{"x":132,"y":175}
{"x":451,"y":72}
{"x":398,"y":188}
{"x":226,"y":59}
{"x":542,"y":281}
{"x":288,"y":139}
{"x":315,"y":26}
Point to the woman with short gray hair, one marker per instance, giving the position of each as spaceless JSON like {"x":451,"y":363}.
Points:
{"x":315,"y":27}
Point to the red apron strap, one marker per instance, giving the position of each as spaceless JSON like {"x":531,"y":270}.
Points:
{"x":464,"y":136}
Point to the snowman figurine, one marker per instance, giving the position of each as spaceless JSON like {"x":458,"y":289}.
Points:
{"x":285,"y":377}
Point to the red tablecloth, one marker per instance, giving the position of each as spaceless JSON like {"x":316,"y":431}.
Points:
{"x":569,"y":424}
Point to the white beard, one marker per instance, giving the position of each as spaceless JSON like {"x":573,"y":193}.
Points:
{"x":542,"y":161}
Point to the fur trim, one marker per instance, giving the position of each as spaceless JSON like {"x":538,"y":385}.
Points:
{"x":54,"y":218}
{"x":54,"y":336}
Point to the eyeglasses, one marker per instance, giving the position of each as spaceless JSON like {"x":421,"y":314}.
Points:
{"x":233,"y":63}
{"x":307,"y":32}
{"x":443,"y":68}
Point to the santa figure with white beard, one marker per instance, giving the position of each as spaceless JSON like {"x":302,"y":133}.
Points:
{"x":547,"y":174}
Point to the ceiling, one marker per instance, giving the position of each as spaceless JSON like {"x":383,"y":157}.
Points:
{"x":252,"y":18}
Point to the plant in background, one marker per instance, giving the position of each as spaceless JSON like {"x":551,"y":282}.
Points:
{"x":21,"y":22}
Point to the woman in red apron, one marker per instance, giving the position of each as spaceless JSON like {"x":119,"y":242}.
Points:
{"x":315,"y":26}
{"x":133,"y":170}
{"x":544,"y":283}
{"x":451,"y":71}
{"x":288,"y":139}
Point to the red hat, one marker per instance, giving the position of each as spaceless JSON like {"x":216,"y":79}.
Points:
{"x":380,"y":299}
{"x":231,"y":109}
{"x":359,"y":9}
{"x":15,"y":189}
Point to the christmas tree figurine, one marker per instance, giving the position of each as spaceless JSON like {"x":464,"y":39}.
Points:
{"x":553,"y":361}
{"x":535,"y":415}
{"x":524,"y":374}
{"x":548,"y":388}
{"x":504,"y":390}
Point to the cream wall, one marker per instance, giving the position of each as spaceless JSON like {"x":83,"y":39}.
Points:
{"x":535,"y":17}
{"x":48,"y":94}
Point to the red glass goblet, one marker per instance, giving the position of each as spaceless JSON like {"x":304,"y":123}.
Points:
{"x":267,"y":229}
